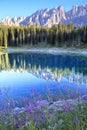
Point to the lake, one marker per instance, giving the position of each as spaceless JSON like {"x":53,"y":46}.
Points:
{"x":31,"y":74}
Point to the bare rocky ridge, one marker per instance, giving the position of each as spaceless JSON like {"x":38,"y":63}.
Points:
{"x":49,"y":17}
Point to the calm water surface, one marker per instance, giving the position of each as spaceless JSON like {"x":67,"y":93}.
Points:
{"x":43,"y":74}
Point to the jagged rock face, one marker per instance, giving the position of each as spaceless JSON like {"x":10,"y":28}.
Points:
{"x":14,"y":21}
{"x":49,"y":17}
{"x":46,"y":17}
{"x":77,"y":15}
{"x":77,"y":11}
{"x":6,"y":21}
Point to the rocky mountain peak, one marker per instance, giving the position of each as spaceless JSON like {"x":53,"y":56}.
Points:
{"x":49,"y":17}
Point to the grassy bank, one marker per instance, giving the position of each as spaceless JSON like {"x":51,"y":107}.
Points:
{"x":2,"y":48}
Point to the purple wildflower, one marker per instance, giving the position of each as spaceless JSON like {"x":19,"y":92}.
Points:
{"x":75,"y":120}
{"x":25,"y":101}
{"x":72,"y":110}
{"x":74,"y":96}
{"x":84,"y":97}
{"x":66,"y":106}
{"x":16,"y":124}
{"x":29,"y":109}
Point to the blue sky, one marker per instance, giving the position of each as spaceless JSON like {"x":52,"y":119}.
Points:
{"x":17,"y":8}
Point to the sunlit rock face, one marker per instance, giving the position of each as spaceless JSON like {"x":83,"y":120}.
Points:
{"x":49,"y":17}
{"x":77,"y":11}
{"x":77,"y":15}
{"x":12,"y":21}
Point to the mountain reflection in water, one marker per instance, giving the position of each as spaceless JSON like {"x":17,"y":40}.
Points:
{"x":22,"y":71}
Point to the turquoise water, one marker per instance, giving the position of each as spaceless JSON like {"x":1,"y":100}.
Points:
{"x":23,"y":73}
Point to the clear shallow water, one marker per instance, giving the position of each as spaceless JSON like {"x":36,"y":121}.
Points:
{"x":42,"y":73}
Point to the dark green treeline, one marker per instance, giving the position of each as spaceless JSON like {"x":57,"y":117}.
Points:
{"x":61,"y":35}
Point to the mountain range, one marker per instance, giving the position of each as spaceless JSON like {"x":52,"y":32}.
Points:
{"x":49,"y":17}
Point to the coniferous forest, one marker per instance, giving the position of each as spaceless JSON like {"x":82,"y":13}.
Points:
{"x":58,"y":35}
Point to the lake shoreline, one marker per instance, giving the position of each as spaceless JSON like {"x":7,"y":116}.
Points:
{"x":53,"y":50}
